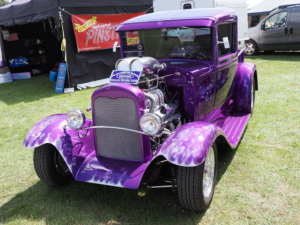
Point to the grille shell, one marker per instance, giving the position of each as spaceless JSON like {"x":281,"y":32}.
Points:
{"x":112,"y":143}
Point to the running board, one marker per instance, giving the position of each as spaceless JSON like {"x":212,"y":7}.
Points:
{"x":234,"y":127}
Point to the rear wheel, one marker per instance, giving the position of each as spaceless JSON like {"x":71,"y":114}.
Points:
{"x":196,"y":185}
{"x":251,"y":48}
{"x":50,"y":166}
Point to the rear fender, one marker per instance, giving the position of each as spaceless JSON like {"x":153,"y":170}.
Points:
{"x":245,"y":74}
{"x":189,"y":144}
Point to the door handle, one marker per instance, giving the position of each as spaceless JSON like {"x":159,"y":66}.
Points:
{"x":291,"y":30}
{"x":285,"y":30}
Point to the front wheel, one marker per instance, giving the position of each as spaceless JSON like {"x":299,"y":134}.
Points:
{"x":50,"y":166}
{"x":196,"y":185}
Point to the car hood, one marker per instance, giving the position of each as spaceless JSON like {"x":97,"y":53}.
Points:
{"x":187,"y":66}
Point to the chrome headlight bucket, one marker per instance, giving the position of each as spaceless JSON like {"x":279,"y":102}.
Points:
{"x":150,"y":123}
{"x":146,"y":64}
{"x":136,"y":65}
{"x":75,"y":119}
{"x":123,"y":64}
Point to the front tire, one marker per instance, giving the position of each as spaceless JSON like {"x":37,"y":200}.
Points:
{"x":50,"y":166}
{"x":251,"y":48}
{"x":196,"y":185}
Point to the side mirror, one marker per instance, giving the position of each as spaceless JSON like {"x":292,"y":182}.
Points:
{"x":263,"y":26}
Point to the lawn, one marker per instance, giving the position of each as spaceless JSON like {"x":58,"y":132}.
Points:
{"x":258,"y":183}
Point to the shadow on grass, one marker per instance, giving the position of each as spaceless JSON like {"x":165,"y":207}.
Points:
{"x":225,"y":157}
{"x":277,"y":56}
{"x":83,"y":203}
{"x":27,"y":90}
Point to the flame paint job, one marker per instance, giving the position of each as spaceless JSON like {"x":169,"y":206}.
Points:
{"x":189,"y":145}
{"x":80,"y":154}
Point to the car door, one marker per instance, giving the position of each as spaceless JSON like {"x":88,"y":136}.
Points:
{"x":274,"y":33}
{"x":227,"y":58}
{"x":294,"y":29}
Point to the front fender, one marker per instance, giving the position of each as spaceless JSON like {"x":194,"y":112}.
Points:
{"x":53,"y":130}
{"x":79,"y":154}
{"x":190,"y":143}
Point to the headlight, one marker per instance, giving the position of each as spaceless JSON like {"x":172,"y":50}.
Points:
{"x":75,"y":119}
{"x":136,"y":65}
{"x":150,"y":123}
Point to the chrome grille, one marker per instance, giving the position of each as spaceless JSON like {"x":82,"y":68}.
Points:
{"x":112,"y":143}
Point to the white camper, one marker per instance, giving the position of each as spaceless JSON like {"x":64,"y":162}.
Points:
{"x":240,"y":6}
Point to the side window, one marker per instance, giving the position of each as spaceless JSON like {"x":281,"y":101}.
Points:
{"x":225,"y":35}
{"x":276,"y":21}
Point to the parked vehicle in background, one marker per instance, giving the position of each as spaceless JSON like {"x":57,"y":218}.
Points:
{"x":240,"y":6}
{"x":278,"y":31}
{"x":170,"y":103}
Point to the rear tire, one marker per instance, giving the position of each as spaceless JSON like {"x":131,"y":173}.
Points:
{"x":50,"y":167}
{"x":196,"y":185}
{"x":251,"y":48}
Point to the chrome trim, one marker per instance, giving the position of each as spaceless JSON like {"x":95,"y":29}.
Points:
{"x":109,"y":127}
{"x":157,"y":78}
{"x":151,"y":98}
{"x":165,"y":131}
{"x":162,"y":186}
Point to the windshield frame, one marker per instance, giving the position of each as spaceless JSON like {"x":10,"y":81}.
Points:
{"x":181,"y":37}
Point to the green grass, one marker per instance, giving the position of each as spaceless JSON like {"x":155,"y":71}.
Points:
{"x":258,"y":183}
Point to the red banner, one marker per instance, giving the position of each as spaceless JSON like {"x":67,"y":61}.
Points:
{"x":95,"y":32}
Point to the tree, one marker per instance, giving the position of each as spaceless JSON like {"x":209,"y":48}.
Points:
{"x":3,"y":2}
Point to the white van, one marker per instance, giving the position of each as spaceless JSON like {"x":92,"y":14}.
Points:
{"x":280,"y":30}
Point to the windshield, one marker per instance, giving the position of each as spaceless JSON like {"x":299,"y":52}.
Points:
{"x":177,"y":42}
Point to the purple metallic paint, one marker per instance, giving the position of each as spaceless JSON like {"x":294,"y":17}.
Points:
{"x":244,"y":77}
{"x":165,"y":24}
{"x":196,"y":17}
{"x":189,"y":145}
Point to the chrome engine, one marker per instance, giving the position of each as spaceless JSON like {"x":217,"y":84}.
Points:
{"x":112,"y":115}
{"x":156,"y":101}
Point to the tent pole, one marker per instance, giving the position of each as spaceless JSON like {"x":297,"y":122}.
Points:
{"x":64,"y":46}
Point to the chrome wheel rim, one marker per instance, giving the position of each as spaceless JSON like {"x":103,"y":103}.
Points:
{"x":250,"y":49}
{"x":209,"y":173}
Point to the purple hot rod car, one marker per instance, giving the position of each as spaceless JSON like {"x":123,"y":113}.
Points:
{"x":172,"y":100}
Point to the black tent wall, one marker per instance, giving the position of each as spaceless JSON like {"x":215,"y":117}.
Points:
{"x":85,"y":66}
{"x":94,"y":65}
{"x":27,"y":11}
{"x":40,"y":30}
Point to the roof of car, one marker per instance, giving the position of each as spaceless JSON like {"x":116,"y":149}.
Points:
{"x":185,"y":14}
